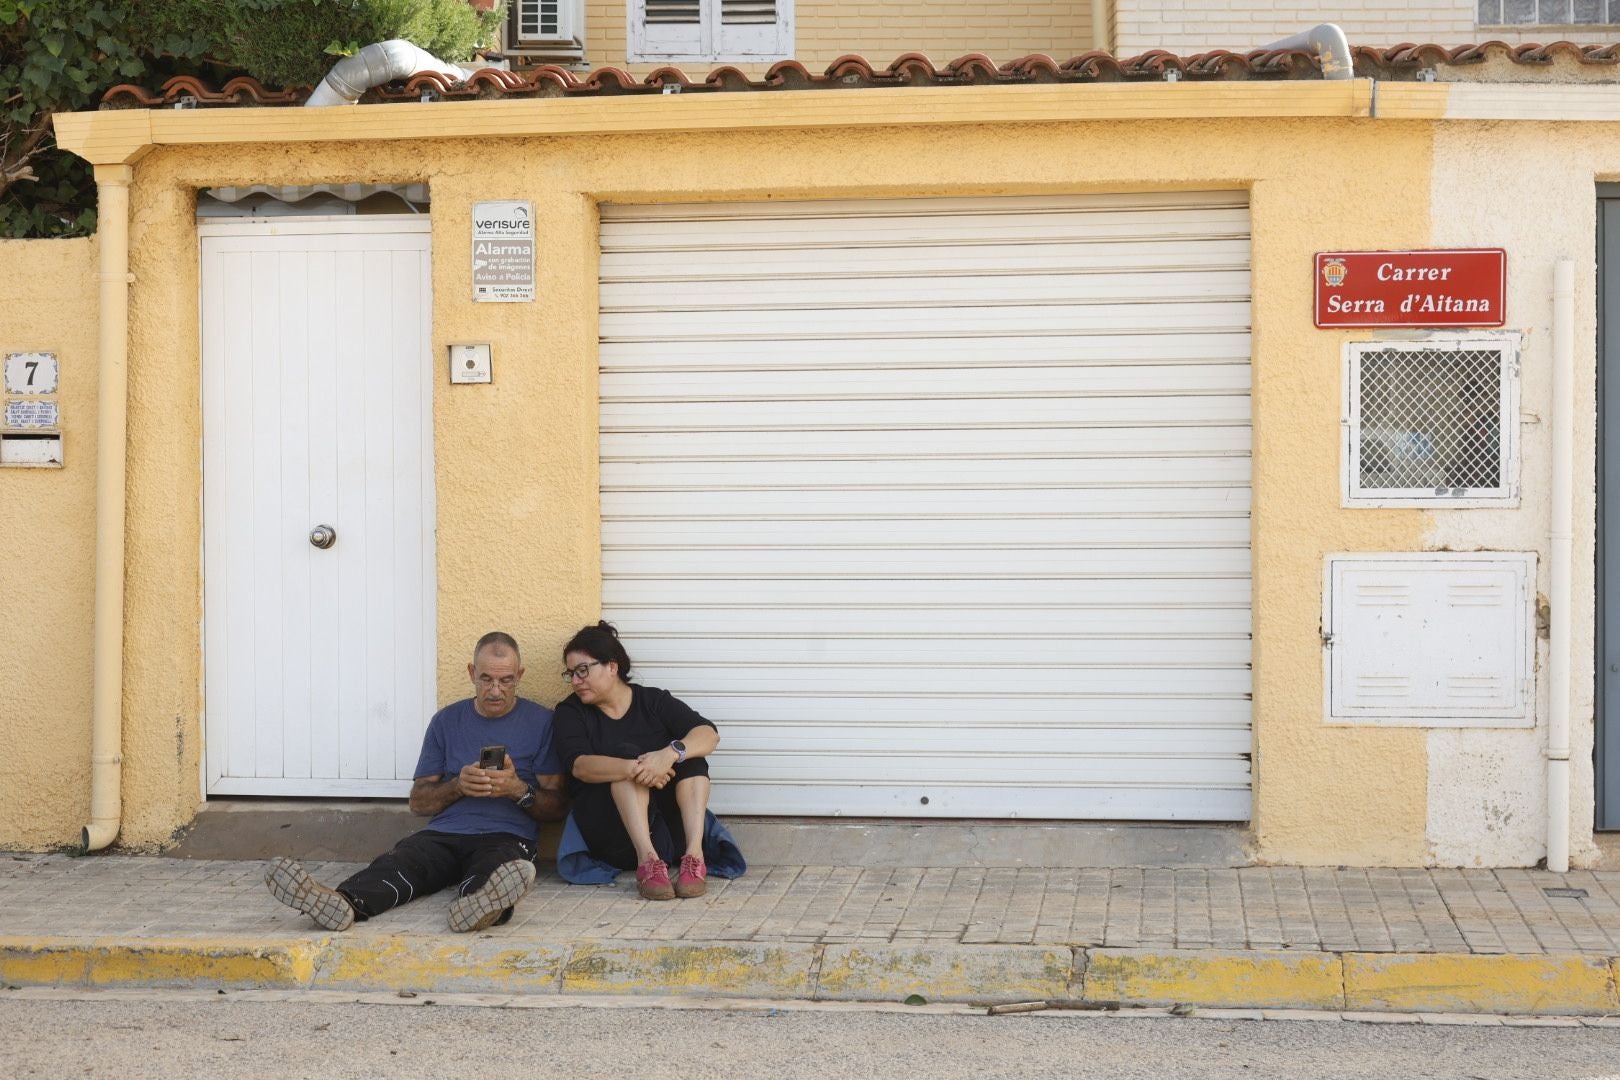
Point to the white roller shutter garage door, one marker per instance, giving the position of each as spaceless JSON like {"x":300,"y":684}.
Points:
{"x":938,"y":507}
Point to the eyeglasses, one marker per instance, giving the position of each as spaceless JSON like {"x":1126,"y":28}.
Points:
{"x":581,"y":671}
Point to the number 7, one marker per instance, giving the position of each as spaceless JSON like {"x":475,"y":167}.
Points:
{"x":31,"y":365}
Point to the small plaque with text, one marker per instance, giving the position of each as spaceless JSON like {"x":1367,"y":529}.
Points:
{"x":1438,"y":288}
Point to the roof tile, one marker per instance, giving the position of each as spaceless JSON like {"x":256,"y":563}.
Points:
{"x":1397,"y":62}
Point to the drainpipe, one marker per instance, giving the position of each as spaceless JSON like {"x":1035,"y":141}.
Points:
{"x":378,"y":63}
{"x":112,"y":401}
{"x":1099,"y":26}
{"x":1331,"y":46}
{"x":1561,"y":534}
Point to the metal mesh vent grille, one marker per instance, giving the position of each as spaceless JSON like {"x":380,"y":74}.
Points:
{"x":1429,"y":422}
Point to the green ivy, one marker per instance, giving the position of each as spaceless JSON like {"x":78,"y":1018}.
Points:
{"x":62,"y":55}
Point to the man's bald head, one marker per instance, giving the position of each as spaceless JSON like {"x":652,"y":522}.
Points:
{"x":501,"y":642}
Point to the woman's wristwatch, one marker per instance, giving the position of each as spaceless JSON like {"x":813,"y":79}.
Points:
{"x":680,"y":751}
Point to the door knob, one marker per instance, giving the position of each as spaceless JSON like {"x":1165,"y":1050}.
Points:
{"x":323,"y":536}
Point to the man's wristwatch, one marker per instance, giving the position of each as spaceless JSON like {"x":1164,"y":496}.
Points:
{"x":526,"y":800}
{"x":680,"y":751}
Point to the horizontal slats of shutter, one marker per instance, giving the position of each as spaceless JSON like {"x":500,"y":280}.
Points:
{"x":674,"y":11}
{"x":941,"y":499}
{"x":741,"y":12}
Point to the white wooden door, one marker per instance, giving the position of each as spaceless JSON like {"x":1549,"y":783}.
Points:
{"x":939,"y":507}
{"x":319,"y":663}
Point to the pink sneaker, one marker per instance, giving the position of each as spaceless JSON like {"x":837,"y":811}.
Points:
{"x":693,"y":878}
{"x":652,"y":880}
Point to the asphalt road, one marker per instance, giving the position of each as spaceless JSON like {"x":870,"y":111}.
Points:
{"x":181,"y":1035}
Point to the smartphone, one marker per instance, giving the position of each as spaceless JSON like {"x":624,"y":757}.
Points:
{"x":492,"y":757}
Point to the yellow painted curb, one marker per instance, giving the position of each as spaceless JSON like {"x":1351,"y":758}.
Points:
{"x":34,"y":962}
{"x":158,"y":962}
{"x":456,"y":964}
{"x":1427,"y":982}
{"x":737,"y":969}
{"x":885,"y":972}
{"x":1466,"y":982}
{"x":1306,"y":980}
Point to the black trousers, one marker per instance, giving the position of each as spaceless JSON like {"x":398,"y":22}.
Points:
{"x":427,"y":861}
{"x":604,"y":832}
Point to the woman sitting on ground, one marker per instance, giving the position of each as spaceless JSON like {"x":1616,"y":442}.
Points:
{"x":637,"y":756}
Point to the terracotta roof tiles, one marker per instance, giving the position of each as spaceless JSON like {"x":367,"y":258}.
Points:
{"x":1397,"y":62}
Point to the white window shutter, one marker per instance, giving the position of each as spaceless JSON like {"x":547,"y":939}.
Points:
{"x":666,"y":29}
{"x":751,"y":28}
{"x":720,"y":31}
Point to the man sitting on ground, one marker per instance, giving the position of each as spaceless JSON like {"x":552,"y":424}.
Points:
{"x":483,"y":831}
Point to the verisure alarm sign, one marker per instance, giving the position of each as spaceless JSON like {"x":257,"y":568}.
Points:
{"x":1459,"y":287}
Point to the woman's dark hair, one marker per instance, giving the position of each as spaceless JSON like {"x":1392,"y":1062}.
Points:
{"x":600,"y":642}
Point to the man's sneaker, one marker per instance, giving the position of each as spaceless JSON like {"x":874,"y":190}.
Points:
{"x":290,"y":883}
{"x":693,"y":878}
{"x":652,"y":880}
{"x":480,"y":908}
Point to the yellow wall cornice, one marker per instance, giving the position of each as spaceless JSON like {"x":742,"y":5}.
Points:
{"x":120,"y":136}
{"x":116,"y":137}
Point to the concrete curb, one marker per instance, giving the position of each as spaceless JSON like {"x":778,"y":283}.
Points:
{"x":1564,"y":984}
{"x":1216,"y":979}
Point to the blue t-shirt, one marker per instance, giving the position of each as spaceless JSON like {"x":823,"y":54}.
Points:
{"x":455,"y":736}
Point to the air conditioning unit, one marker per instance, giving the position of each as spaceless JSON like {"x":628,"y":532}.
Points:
{"x":546,"y":31}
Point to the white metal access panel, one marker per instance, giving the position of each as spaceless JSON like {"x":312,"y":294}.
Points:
{"x":939,"y":507}
{"x":319,"y":647}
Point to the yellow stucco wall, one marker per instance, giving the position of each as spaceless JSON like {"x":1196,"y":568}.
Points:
{"x":515,"y":473}
{"x":518,"y":530}
{"x":516,"y":461}
{"x":47,"y":531}
{"x":882,"y":31}
{"x":1322,"y":794}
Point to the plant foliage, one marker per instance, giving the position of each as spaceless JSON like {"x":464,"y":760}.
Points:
{"x":292,"y":42}
{"x":62,"y":55}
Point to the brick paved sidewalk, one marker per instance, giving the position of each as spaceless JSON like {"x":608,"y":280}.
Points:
{"x":1261,"y":908}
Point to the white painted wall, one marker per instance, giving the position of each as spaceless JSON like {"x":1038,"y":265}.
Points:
{"x":1499,"y":186}
{"x":1487,"y":800}
{"x":1192,"y":26}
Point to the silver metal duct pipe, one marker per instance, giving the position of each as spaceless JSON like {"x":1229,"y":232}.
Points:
{"x":1331,"y":46}
{"x":382,"y":62}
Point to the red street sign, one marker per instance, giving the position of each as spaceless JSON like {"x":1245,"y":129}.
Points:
{"x":1411,"y":288}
